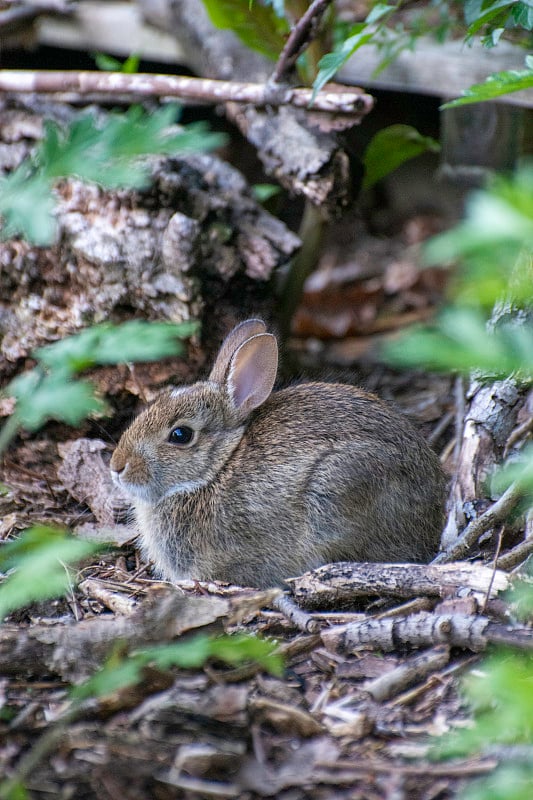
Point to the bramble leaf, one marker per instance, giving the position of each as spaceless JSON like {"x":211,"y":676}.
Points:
{"x":258,"y":26}
{"x":39,"y":558}
{"x":390,"y":148}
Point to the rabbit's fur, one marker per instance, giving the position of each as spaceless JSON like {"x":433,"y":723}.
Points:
{"x":274,"y":484}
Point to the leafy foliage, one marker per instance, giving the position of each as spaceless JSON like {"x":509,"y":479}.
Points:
{"x":496,"y":85}
{"x":260,"y":27}
{"x":50,"y":391}
{"x":39,"y":559}
{"x":194,"y":652}
{"x":496,"y":16}
{"x":107,"y":151}
{"x":360,"y":34}
{"x":109,"y":64}
{"x":501,"y":697}
{"x":494,"y":246}
{"x":390,"y":148}
{"x":459,"y":340}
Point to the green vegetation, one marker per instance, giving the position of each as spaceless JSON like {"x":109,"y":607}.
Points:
{"x":493,"y":253}
{"x":38,"y":564}
{"x":110,"y":150}
{"x":51,"y":390}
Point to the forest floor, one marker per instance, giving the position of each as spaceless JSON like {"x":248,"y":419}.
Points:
{"x":335,"y":724}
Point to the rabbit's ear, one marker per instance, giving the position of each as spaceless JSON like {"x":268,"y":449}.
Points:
{"x":252,"y":372}
{"x":236,"y":337}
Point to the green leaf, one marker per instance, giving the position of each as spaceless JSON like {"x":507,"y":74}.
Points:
{"x":108,"y":151}
{"x":27,"y":206}
{"x":112,"y":677}
{"x":107,"y":63}
{"x":362,"y":33}
{"x":191,"y":653}
{"x":518,"y":470}
{"x":136,"y":340}
{"x":330,"y":64}
{"x":500,"y":694}
{"x":390,"y":148}
{"x":480,"y":12}
{"x":258,"y":26}
{"x":13,"y":790}
{"x":44,"y":397}
{"x":459,"y":340}
{"x":39,"y":558}
{"x":230,"y":649}
{"x":496,"y":85}
{"x":264,"y":191}
{"x":508,"y":782}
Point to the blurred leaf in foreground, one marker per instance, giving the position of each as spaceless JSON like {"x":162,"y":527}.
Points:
{"x":188,"y":654}
{"x":50,"y":391}
{"x":108,"y":150}
{"x":136,"y":340}
{"x":459,"y":340}
{"x":40,"y":558}
{"x":495,"y":85}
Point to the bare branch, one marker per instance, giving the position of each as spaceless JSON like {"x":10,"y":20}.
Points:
{"x":351,"y":101}
{"x":496,"y":513}
{"x":299,"y":39}
{"x":336,"y":584}
{"x":423,"y":630}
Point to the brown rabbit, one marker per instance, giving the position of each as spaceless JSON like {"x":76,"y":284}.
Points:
{"x":233,"y":482}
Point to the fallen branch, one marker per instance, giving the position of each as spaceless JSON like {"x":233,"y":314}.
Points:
{"x":469,"y":537}
{"x":413,"y":670}
{"x":341,"y":583}
{"x":351,"y":101}
{"x":299,"y":618}
{"x":516,"y":556}
{"x":76,"y":651}
{"x":425,"y":630}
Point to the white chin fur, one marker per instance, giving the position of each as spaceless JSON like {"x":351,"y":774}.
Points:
{"x":134,"y":490}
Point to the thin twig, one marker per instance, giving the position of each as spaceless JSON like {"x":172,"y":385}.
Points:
{"x":494,"y":570}
{"x":303,"y":33}
{"x":459,"y":392}
{"x":351,"y":101}
{"x":520,"y":432}
{"x":496,"y":513}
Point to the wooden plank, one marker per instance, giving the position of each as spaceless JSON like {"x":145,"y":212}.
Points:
{"x":442,"y":70}
{"x":116,"y":28}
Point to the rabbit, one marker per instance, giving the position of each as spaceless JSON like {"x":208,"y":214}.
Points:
{"x":234,"y":482}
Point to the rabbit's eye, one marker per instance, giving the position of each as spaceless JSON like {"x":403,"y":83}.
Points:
{"x":181,"y":435}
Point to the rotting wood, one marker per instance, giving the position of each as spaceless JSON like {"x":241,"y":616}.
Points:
{"x":170,"y":252}
{"x":513,"y":558}
{"x":489,"y":420}
{"x":424,"y":630}
{"x":86,"y":476}
{"x":336,"y":584}
{"x":286,"y":717}
{"x":114,"y":601}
